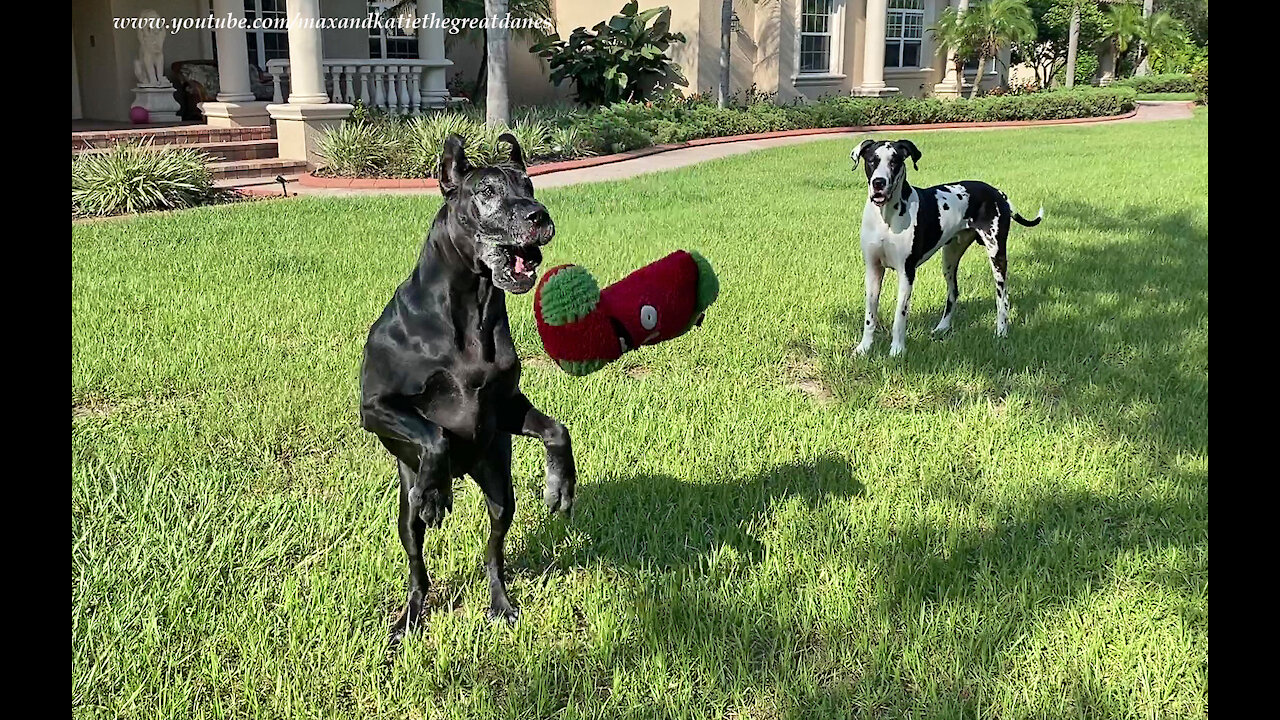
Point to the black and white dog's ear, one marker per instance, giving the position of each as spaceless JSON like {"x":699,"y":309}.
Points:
{"x":856,"y":155}
{"x":911,"y":149}
{"x":517,"y":153}
{"x":453,"y":164}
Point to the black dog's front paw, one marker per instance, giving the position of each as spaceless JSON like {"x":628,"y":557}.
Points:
{"x":559,"y":494}
{"x":503,"y":613}
{"x":436,"y":503}
{"x":410,"y":619}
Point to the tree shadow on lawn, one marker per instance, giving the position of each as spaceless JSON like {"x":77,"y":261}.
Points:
{"x":961,"y":605}
{"x":1112,"y":332}
{"x":944,"y":614}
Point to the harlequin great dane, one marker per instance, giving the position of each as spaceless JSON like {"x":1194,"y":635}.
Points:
{"x":904,"y":226}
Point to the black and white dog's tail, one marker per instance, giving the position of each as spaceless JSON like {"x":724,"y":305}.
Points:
{"x":1029,"y":223}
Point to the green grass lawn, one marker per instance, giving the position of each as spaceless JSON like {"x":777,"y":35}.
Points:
{"x":766,"y":526}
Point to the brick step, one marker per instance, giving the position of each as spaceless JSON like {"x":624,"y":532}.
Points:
{"x":220,"y":151}
{"x":265,"y":186}
{"x":180,"y":135}
{"x":260,"y":168}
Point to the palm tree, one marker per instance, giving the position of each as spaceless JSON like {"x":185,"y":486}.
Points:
{"x":1125,"y":26}
{"x":955,"y":33}
{"x":726,"y":31}
{"x":497,"y":109}
{"x":1160,"y":30}
{"x":982,"y":30}
{"x":995,"y":24}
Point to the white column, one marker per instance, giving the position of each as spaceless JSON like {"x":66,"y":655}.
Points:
{"x":303,"y":121}
{"x":306,"y":54}
{"x":435,"y":90}
{"x":236,"y":106}
{"x":952,"y":83}
{"x":233,"y":54}
{"x":873,"y":50}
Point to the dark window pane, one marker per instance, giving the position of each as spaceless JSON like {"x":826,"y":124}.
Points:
{"x":276,"y":45}
{"x":893,"y":54}
{"x":911,"y":54}
{"x":375,"y":48}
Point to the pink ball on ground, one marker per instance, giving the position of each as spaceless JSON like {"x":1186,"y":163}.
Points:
{"x":139,"y":115}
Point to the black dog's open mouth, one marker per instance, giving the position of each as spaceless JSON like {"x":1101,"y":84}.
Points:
{"x":523,"y":261}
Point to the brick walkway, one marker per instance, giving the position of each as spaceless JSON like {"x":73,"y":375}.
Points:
{"x":1147,"y":111}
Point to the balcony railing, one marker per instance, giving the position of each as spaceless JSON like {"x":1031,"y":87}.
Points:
{"x":395,"y":86}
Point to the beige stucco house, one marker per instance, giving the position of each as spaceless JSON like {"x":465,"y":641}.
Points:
{"x":798,"y":49}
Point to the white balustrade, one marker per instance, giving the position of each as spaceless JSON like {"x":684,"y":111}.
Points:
{"x":397,"y":88}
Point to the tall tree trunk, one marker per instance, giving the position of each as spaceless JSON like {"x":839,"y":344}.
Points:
{"x":497,"y":110}
{"x":726,"y":31}
{"x":977,"y":79}
{"x":482,"y":73}
{"x":1073,"y":46}
{"x":1147,"y":7}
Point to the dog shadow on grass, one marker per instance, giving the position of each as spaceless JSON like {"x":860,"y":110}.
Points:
{"x":1114,"y":331}
{"x":663,"y":522}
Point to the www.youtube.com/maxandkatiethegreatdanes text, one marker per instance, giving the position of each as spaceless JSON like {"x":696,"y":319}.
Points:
{"x":406,"y":23}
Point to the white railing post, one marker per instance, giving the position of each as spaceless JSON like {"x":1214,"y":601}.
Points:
{"x":415,"y":89}
{"x":351,"y":83}
{"x":379,"y":93}
{"x":400,"y":89}
{"x":402,"y":82}
{"x":278,"y":72}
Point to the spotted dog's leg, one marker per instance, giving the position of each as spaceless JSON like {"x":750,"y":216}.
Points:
{"x":875,"y":278}
{"x":1000,"y":271}
{"x":906,"y":279}
{"x":951,"y":254}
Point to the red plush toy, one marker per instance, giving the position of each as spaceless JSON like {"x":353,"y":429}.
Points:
{"x":584,"y":328}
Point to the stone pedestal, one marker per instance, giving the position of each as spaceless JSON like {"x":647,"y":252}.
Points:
{"x":300,"y":127}
{"x":235,"y":114}
{"x":158,"y":102}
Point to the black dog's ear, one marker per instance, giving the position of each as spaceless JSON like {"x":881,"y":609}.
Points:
{"x":856,"y":155}
{"x":453,"y":164}
{"x":517,"y":154}
{"x":911,"y":150}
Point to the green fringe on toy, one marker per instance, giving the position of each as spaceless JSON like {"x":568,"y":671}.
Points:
{"x":708,"y":287}
{"x":569,"y":296}
{"x":581,"y":367}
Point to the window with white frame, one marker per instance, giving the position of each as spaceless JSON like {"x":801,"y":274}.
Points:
{"x":390,"y":42}
{"x":971,"y":65}
{"x":904,"y":33}
{"x":817,"y":33}
{"x":266,"y":44}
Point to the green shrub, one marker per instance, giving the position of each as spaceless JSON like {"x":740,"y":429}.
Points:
{"x":622,"y":58}
{"x":1169,"y":83}
{"x":358,"y":148}
{"x":1086,"y":71}
{"x":132,"y":177}
{"x":1200,"y":77}
{"x":412,"y":149}
{"x":571,"y":142}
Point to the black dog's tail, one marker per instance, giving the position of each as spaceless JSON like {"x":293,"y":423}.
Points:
{"x":1030,"y":223}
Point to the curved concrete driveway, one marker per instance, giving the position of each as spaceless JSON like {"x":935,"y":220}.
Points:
{"x":1147,"y":111}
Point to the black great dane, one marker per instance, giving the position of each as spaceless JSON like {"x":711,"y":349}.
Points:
{"x":440,"y":378}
